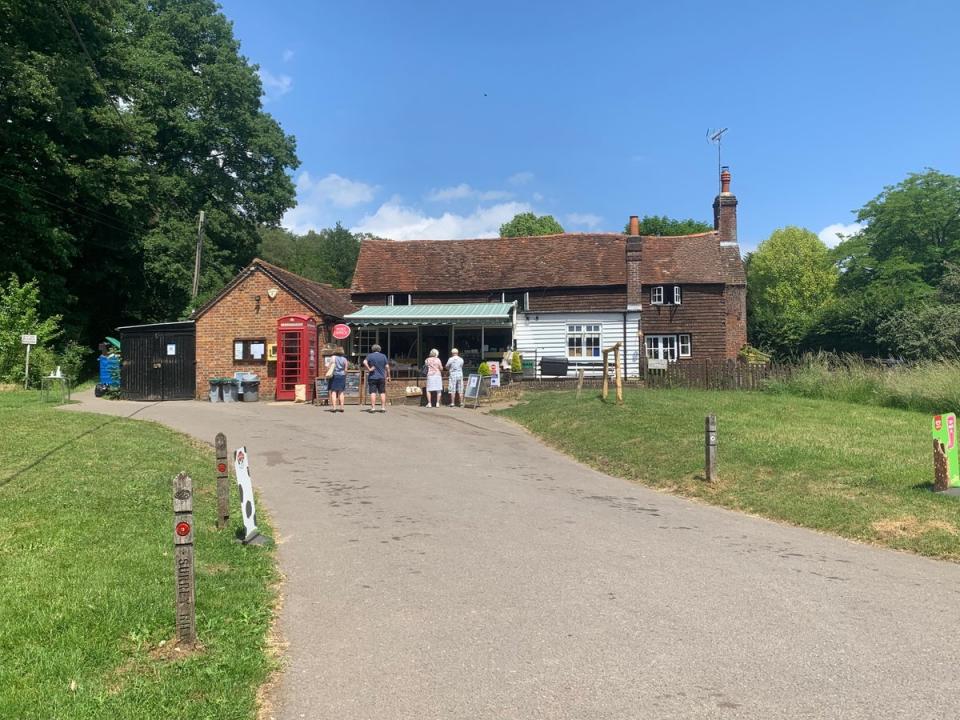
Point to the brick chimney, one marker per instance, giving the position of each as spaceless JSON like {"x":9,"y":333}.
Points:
{"x":634,"y":252}
{"x":725,"y":210}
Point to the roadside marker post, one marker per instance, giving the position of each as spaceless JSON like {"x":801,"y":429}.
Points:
{"x":186,"y":618}
{"x":223,"y":483}
{"x":710,"y":442}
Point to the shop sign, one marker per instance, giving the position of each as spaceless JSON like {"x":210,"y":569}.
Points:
{"x":494,"y":374}
{"x":945,"y":431}
{"x":341,"y":331}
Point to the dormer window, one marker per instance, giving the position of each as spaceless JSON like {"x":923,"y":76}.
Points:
{"x":521,"y":298}
{"x":665,"y":295}
{"x":399,"y":299}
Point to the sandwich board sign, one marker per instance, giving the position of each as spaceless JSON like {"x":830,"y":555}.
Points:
{"x":945,"y":431}
{"x":248,"y":509}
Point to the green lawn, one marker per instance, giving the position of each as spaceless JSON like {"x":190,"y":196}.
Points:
{"x":859,"y":471}
{"x":86,"y":568}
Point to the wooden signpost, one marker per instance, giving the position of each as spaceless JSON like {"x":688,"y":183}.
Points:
{"x":710,"y":442}
{"x":615,"y":349}
{"x":223,"y":482}
{"x":186,"y":619}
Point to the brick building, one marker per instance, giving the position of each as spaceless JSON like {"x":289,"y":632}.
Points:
{"x":667,"y":298}
{"x":235,"y":328}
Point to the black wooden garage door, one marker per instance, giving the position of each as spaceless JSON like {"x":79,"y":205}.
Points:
{"x":158,"y":362}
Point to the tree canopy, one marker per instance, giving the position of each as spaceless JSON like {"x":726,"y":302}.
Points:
{"x":663,"y":225}
{"x":791,"y":280}
{"x":328,"y":256}
{"x":528,"y":224}
{"x":124,"y":120}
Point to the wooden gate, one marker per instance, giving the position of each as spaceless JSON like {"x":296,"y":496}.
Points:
{"x":159,"y":361}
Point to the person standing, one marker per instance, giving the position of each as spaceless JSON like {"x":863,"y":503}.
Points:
{"x":455,"y":379}
{"x":338,"y":380}
{"x":378,"y":375}
{"x":434,"y":378}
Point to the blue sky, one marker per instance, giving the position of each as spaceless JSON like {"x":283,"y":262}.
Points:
{"x":443,"y":119}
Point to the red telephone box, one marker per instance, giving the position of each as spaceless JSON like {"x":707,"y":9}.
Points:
{"x":296,"y":355}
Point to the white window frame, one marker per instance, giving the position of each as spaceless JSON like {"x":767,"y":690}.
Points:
{"x":683,"y":339}
{"x":661,"y":347}
{"x":583,"y":331}
{"x":391,"y":296}
{"x":676,"y":294}
{"x":656,"y":295}
{"x":526,"y":300}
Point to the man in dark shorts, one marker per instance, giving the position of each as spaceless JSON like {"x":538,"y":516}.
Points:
{"x":378,"y":375}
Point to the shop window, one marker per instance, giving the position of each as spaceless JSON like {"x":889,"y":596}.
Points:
{"x":662,"y":347}
{"x":583,"y":340}
{"x":521,"y":298}
{"x":363,"y":341}
{"x":250,"y":350}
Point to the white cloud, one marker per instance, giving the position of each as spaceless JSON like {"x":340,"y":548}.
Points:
{"x":316,"y":200}
{"x":830,"y":232}
{"x":520,"y":178}
{"x":587,"y":220}
{"x":287,"y":55}
{"x":464,"y":191}
{"x":398,"y":222}
{"x":274,"y":86}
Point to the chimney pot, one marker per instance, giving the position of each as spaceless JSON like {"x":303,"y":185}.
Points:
{"x":725,"y":179}
{"x":634,"y":225}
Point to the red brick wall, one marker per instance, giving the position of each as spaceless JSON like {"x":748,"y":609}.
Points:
{"x":236,"y":316}
{"x":736,"y":306}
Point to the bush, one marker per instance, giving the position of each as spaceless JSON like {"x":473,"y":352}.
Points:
{"x":19,"y":315}
{"x":516,"y":363}
{"x":483,"y":370}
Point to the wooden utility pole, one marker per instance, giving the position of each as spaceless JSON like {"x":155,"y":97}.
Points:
{"x":710,"y":441}
{"x":186,"y":618}
{"x":223,"y":482}
{"x":196,"y":261}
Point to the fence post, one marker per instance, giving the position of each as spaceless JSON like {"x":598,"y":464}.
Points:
{"x":710,"y":442}
{"x":223,"y":484}
{"x":186,"y":619}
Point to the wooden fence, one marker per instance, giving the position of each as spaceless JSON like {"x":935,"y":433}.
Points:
{"x":715,"y":375}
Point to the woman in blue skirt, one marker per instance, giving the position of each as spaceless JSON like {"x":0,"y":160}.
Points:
{"x":338,"y":381}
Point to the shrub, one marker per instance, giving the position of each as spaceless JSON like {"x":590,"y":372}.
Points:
{"x":516,"y":363}
{"x":19,"y":315}
{"x":483,"y":370}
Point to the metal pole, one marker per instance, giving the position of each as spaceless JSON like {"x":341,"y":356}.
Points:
{"x":26,"y":374}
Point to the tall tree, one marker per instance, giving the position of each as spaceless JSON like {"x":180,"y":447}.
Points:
{"x":328,"y":255}
{"x":528,"y":224}
{"x":125,"y":120}
{"x":790,"y":284}
{"x":663,"y":225}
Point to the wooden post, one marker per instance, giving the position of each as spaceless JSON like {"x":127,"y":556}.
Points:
{"x":579,"y":382}
{"x":606,"y":380}
{"x":186,"y":619}
{"x":941,"y":477}
{"x":710,"y":441}
{"x":223,"y":482}
{"x":616,"y":365}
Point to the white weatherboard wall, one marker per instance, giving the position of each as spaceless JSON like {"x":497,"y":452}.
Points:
{"x":546,"y":334}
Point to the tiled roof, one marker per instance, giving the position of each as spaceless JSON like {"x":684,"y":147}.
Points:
{"x":690,"y":259}
{"x":548,"y":261}
{"x":321,"y":297}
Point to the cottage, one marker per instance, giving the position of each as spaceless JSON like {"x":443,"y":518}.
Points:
{"x":557,"y":296}
{"x":264,"y":306}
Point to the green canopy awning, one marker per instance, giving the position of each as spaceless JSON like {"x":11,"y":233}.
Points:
{"x":486,"y":314}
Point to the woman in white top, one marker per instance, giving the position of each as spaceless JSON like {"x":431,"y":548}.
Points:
{"x":455,"y":380}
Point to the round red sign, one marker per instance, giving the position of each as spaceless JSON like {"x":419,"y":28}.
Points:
{"x":183,"y":529}
{"x":341,"y":331}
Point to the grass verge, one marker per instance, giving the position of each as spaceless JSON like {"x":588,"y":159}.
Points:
{"x":858,"y":471}
{"x":86,"y":567}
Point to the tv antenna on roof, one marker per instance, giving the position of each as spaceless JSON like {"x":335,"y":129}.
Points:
{"x":716,"y":137}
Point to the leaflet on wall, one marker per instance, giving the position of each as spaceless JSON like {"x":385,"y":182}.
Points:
{"x":238,"y":351}
{"x":257,"y":350}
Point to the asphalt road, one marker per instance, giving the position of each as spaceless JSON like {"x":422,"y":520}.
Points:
{"x":441,"y":563}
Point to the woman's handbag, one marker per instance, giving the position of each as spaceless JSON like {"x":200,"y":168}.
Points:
{"x":425,"y":370}
{"x":330,"y":369}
